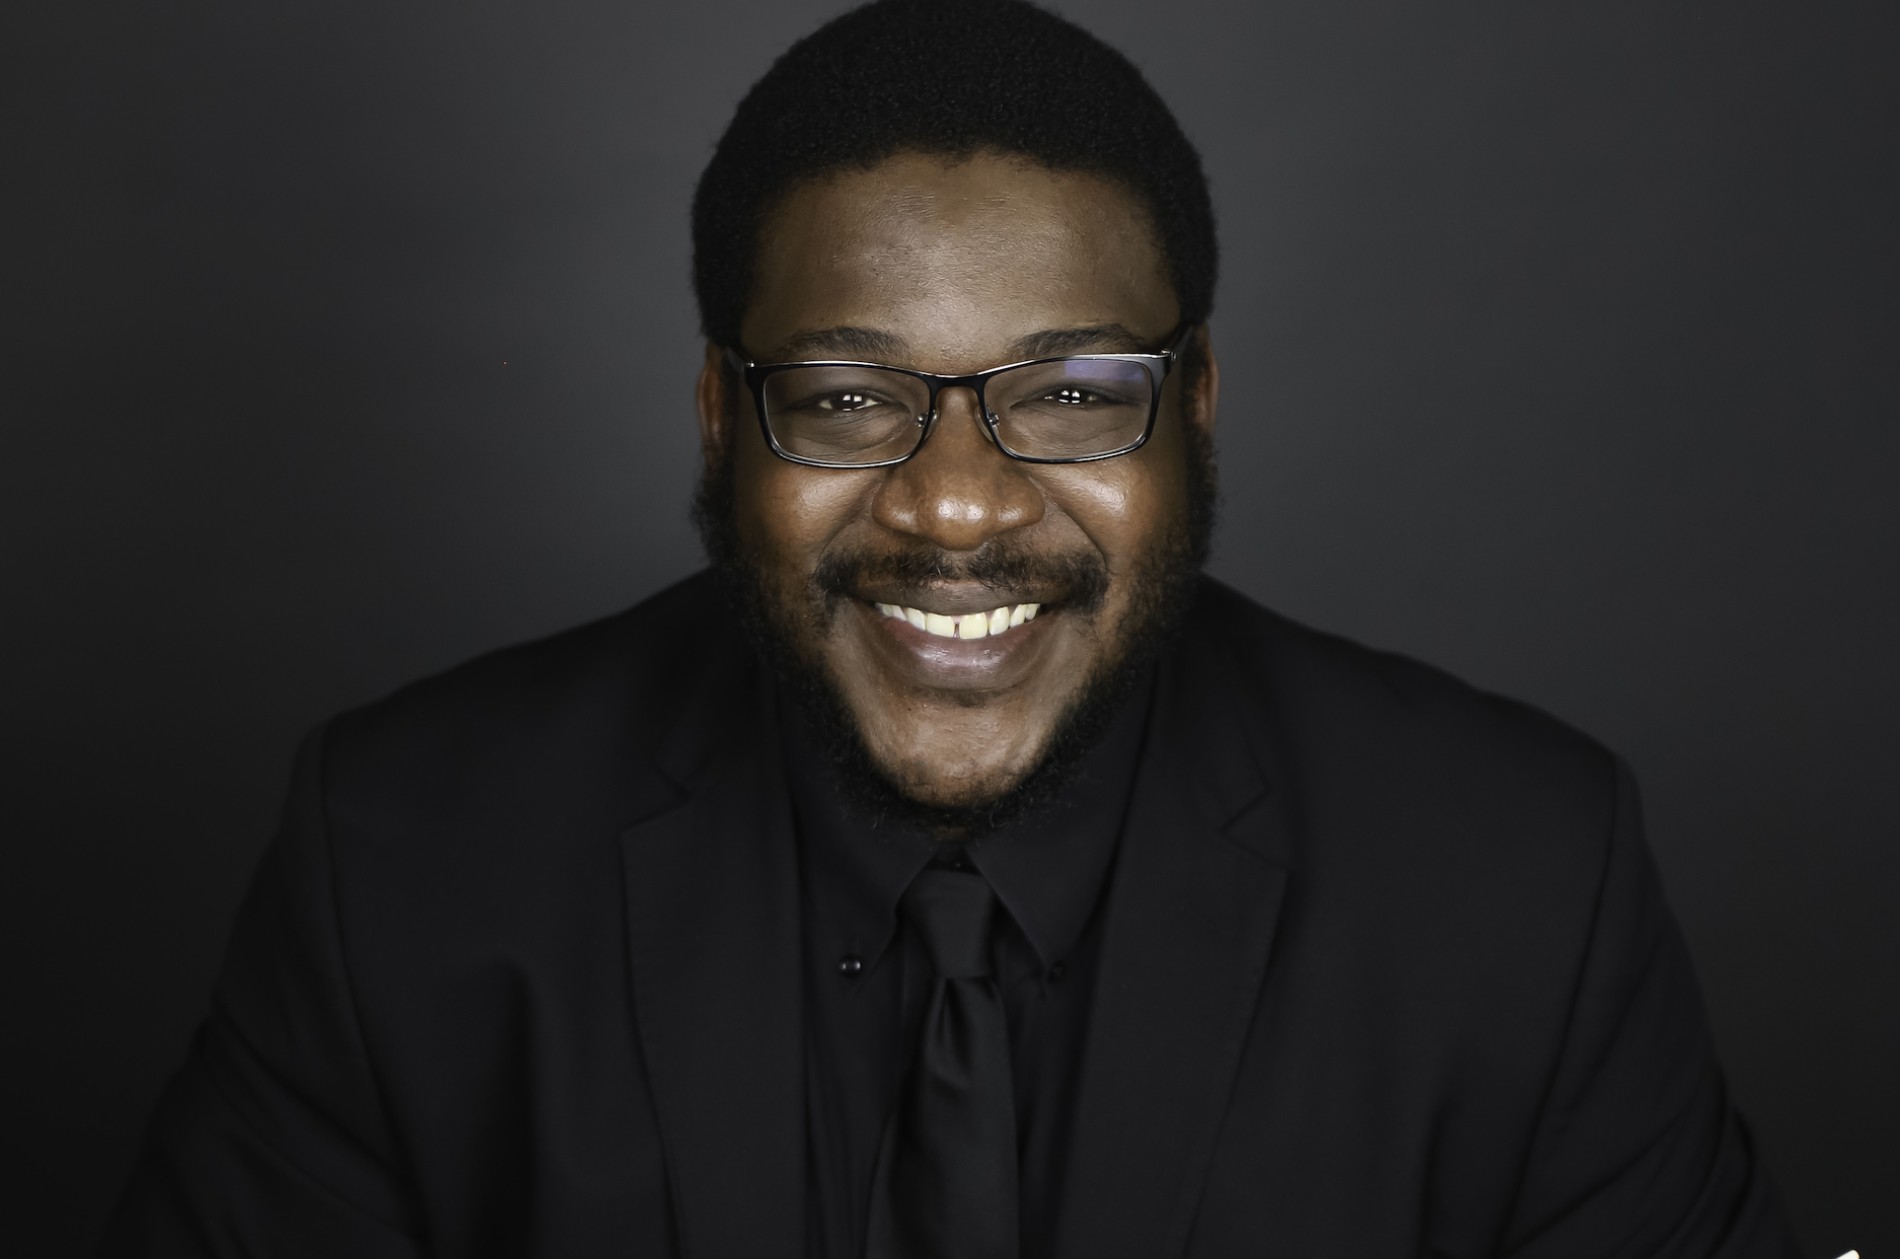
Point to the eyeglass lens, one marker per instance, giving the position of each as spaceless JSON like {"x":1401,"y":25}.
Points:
{"x":1061,"y":409}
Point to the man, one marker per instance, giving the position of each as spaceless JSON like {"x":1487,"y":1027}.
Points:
{"x":954,"y":872}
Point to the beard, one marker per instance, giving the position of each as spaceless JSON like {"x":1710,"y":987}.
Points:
{"x":1162,"y":584}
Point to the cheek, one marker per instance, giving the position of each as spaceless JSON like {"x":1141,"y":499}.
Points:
{"x":788,"y":515}
{"x":1125,"y":506}
{"x":1102,"y":506}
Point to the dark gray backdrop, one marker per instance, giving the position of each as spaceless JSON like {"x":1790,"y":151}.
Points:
{"x":349,"y":339}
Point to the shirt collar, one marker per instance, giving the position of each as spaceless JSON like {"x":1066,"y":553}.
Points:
{"x":1048,"y":868}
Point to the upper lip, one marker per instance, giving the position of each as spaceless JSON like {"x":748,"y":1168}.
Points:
{"x":952,"y":600}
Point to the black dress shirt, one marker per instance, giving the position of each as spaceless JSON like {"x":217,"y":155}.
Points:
{"x":867,"y":979}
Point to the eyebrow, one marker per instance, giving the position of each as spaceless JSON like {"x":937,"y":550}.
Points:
{"x":840,"y":342}
{"x":851,"y":342}
{"x":1102,"y":338}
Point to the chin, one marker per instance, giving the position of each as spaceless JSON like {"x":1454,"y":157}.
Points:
{"x":978,"y":790}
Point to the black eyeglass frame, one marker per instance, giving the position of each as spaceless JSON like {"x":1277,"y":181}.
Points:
{"x":1158,"y":365}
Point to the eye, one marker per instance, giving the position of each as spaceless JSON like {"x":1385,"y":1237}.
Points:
{"x":847,"y":402}
{"x":833,"y":404}
{"x":1070,"y":396}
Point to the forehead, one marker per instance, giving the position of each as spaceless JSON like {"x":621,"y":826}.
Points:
{"x":956,"y":258}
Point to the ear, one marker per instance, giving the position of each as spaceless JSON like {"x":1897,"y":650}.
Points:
{"x":715,"y":407}
{"x":1203,"y":403}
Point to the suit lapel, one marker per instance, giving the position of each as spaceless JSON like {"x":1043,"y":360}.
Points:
{"x":714,"y":942}
{"x":1196,"y":894}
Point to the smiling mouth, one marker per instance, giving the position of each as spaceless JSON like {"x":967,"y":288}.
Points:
{"x":968,"y":625}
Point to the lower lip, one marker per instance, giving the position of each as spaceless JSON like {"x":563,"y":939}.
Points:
{"x":988,"y":663}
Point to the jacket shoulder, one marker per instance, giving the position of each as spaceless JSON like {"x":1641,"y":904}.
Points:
{"x":1355,"y":730}
{"x":1314,"y":676}
{"x":588,"y":704}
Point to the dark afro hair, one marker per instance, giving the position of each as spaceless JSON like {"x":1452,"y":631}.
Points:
{"x":952,"y":77}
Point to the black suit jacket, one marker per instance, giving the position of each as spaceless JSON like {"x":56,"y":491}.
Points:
{"x":1386,"y":972}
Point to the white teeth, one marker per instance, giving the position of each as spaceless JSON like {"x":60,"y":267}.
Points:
{"x":968,"y":625}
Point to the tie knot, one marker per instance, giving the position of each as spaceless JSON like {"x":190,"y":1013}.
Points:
{"x":952,"y":911}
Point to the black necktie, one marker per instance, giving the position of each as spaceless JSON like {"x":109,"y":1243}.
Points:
{"x":945,"y":1182}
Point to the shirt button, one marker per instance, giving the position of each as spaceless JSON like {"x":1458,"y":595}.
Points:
{"x":850,"y":964}
{"x":1057,"y":971}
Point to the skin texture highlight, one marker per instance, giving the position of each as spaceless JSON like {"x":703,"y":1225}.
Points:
{"x":953,"y":265}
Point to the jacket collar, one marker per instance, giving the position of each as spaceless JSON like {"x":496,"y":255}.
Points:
{"x":1197,"y":891}
{"x":714,"y":945}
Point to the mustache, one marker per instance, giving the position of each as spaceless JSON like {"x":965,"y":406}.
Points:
{"x":1079,"y":581}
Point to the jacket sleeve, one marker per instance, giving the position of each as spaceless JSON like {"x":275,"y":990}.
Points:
{"x":272,"y":1139}
{"x":1637,"y":1151}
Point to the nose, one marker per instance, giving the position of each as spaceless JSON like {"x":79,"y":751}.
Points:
{"x":959,"y":491}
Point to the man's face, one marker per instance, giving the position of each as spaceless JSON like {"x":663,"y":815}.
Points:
{"x":952,"y":266}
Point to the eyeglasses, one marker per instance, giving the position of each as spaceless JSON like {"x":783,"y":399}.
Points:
{"x":1071,"y":409}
